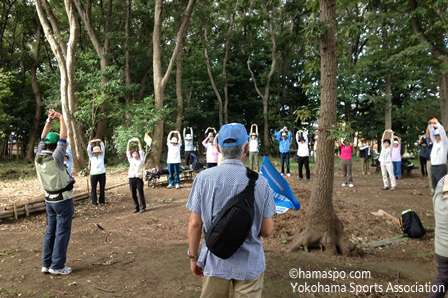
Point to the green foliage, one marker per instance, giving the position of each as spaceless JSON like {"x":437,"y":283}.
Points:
{"x":342,"y":131}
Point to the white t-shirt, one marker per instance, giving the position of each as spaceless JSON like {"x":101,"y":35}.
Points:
{"x":173,"y":153}
{"x":96,"y":162}
{"x":386,"y":154}
{"x":253,"y":145}
{"x":136,"y":166}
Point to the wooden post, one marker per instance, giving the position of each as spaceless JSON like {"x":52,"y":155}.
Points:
{"x":16,"y":216}
{"x":27,"y":212}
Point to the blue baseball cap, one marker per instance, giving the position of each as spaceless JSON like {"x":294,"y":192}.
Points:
{"x":233,"y":134}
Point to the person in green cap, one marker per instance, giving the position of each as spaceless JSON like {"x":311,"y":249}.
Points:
{"x":58,"y":186}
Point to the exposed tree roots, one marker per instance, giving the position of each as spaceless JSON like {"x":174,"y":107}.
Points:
{"x":329,"y":237}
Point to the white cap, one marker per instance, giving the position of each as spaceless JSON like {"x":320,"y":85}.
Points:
{"x":173,"y":140}
{"x":395,"y":142}
{"x":188,"y":137}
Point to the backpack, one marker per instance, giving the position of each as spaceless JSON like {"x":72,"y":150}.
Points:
{"x":233,"y":223}
{"x":411,"y":225}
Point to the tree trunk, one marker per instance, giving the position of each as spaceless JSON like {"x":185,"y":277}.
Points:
{"x":127,"y":74}
{"x":388,"y":105}
{"x":212,"y":80}
{"x":34,"y":131}
{"x":323,"y":227}
{"x":159,"y":80}
{"x":443,"y":94}
{"x":180,"y":99}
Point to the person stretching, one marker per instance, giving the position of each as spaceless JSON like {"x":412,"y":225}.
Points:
{"x":254,"y":147}
{"x":386,"y":161}
{"x":303,"y":153}
{"x":396,"y":157}
{"x":284,"y":139}
{"x":439,"y":151}
{"x":97,"y":171}
{"x":212,"y":152}
{"x":136,"y":171}
{"x":189,"y":145}
{"x":173,"y":160}
{"x":346,"y":162}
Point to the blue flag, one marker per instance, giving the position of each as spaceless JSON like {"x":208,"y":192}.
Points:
{"x":283,"y":195}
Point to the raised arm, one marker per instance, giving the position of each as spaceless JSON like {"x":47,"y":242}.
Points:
{"x":179,"y":137}
{"x":191,"y":132}
{"x":47,"y":126}
{"x":431,"y":131}
{"x":384,"y":135}
{"x":128,"y":147}
{"x":168,"y":139}
{"x":183,"y":132}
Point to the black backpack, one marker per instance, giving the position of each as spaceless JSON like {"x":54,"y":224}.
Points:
{"x":411,"y":225}
{"x":233,"y":223}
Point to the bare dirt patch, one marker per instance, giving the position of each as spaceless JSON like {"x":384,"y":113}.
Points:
{"x":115,"y":253}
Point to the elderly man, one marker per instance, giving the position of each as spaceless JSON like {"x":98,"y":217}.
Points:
{"x":211,"y":190}
{"x":440,"y":201}
{"x":439,"y":150}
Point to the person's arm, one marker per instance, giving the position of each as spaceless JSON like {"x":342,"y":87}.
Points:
{"x":47,"y":126}
{"x":183,"y":132}
{"x":168,"y":139}
{"x":103,"y":149}
{"x":442,"y":132}
{"x":140,"y":147}
{"x":205,"y":143}
{"x":431,"y":133}
{"x":298,"y":137}
{"x":289,"y":136}
{"x":384,"y":135}
{"x":194,"y":237}
{"x":59,"y":152}
{"x":191,"y":132}
{"x":256,"y":127}
{"x":305,"y":136}
{"x":128,"y":147}
{"x":179,"y":137}
{"x":277,"y":135}
{"x":267,"y":227}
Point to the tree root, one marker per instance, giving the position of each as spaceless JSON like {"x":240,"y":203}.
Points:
{"x":330,"y":238}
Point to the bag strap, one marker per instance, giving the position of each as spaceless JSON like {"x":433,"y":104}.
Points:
{"x":253,"y":177}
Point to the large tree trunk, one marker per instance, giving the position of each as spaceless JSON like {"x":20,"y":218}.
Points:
{"x":127,"y":71}
{"x":443,"y":94}
{"x":388,"y":105}
{"x":159,"y":80}
{"x":34,"y":131}
{"x":323,"y":227}
{"x":180,"y":98}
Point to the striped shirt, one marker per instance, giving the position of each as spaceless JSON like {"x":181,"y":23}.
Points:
{"x":211,"y":189}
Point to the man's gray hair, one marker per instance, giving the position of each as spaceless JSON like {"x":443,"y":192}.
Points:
{"x":233,"y":152}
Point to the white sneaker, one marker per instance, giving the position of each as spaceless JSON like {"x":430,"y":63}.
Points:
{"x":344,"y":185}
{"x":169,"y":186}
{"x":63,"y":271}
{"x":288,"y":175}
{"x":351,"y":185}
{"x":177,"y":186}
{"x":44,"y":270}
{"x":282,"y":174}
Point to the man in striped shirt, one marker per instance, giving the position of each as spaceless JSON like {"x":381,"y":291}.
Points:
{"x":211,"y":190}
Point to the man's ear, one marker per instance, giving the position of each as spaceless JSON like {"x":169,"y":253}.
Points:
{"x":219,"y":149}
{"x":246,"y":149}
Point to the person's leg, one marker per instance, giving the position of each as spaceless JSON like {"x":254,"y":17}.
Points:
{"x":384,"y":174}
{"x":307,"y":167}
{"x":133,"y":187}
{"x":390,"y":170}
{"x":64,"y":211}
{"x":287,"y":163}
{"x":282,"y":160}
{"x":251,"y":160}
{"x":188,"y":157}
{"x":301,"y":162}
{"x":422,"y":165}
{"x":47,"y":250}
{"x":257,"y":161}
{"x":399,"y":169}
{"x":94,"y":183}
{"x":141,"y":193}
{"x":394,"y":164}
{"x":344,"y":171}
{"x":102,"y":179}
{"x":215,"y":287}
{"x":442,"y":277}
{"x":177,"y":173}
{"x":171,"y":173}
{"x":248,"y":288}
{"x":349,"y":171}
{"x":429,"y":166}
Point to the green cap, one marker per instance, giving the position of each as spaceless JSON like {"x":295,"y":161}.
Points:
{"x":51,"y":138}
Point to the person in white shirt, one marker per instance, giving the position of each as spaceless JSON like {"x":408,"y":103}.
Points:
{"x":189,"y":145}
{"x":439,"y":151}
{"x":174,"y":144}
{"x":136,"y":160}
{"x":303,"y":153}
{"x":97,"y":171}
{"x":386,"y":161}
{"x":254,"y":148}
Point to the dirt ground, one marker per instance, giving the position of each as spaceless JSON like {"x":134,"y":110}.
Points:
{"x":115,"y":253}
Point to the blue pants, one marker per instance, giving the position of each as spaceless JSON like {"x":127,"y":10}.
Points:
{"x":57,"y":236}
{"x":397,"y":169}
{"x":174,"y":170}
